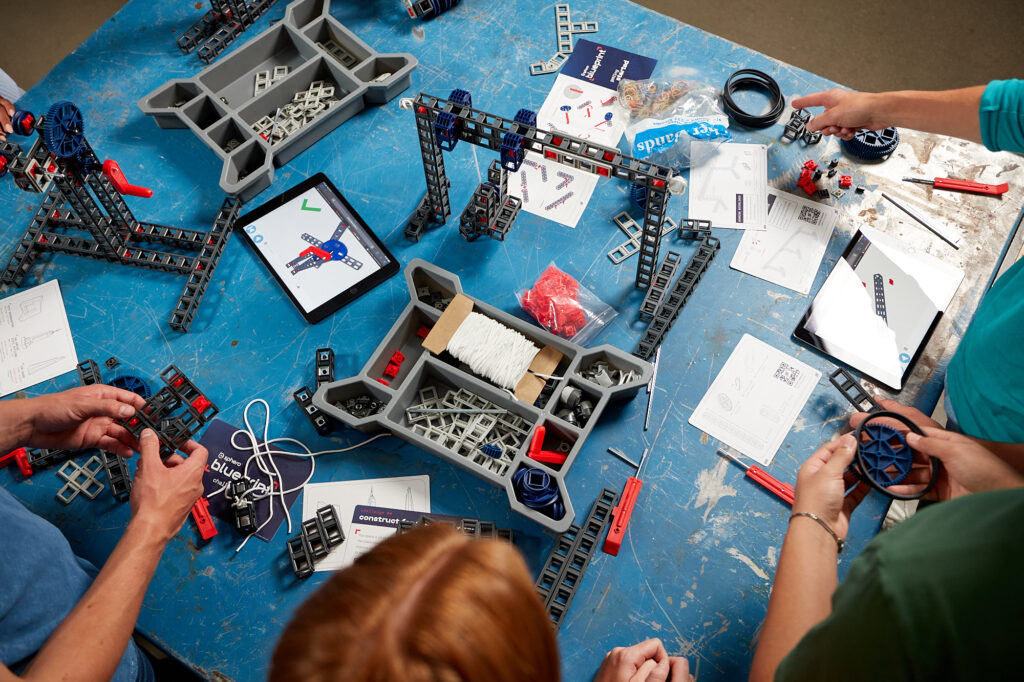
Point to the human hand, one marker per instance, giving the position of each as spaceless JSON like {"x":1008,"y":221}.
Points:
{"x":912,"y":413}
{"x":163,"y":492}
{"x":967,"y":467}
{"x":644,"y":662}
{"x":82,"y":418}
{"x":6,"y":113}
{"x":846,"y":112}
{"x":822,"y":481}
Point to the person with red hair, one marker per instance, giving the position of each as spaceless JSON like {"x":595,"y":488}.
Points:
{"x":434,"y":605}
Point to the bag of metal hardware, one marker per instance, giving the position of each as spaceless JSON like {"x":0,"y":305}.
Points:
{"x":564,"y":307}
{"x":663,"y":117}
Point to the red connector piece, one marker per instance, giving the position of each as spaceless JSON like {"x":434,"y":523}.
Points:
{"x":121,"y":184}
{"x":806,"y":181}
{"x":546,"y":456}
{"x":845,"y":181}
{"x":394,"y":365}
{"x":20,"y":457}
{"x":423,"y":331}
{"x":204,"y":522}
{"x":201,"y":404}
{"x":810,"y":164}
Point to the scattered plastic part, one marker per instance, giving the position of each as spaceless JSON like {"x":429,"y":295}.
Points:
{"x":175,"y":413}
{"x":565,"y":29}
{"x":324,"y":366}
{"x":845,"y":181}
{"x":797,"y":124}
{"x":564,"y":568}
{"x":243,"y":507}
{"x":319,"y":536}
{"x":838,"y":193}
{"x":428,"y":9}
{"x":89,"y":373}
{"x":203,"y":520}
{"x":859,"y":189}
{"x":694,"y":228}
{"x":112,"y":362}
{"x":872,"y":144}
{"x":304,"y":398}
{"x":80,"y":480}
{"x":118,"y":477}
{"x":673,"y":303}
{"x":210,"y":103}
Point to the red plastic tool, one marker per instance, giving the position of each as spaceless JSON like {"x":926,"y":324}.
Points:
{"x":120,"y":182}
{"x":19,"y":457}
{"x":783,"y":491}
{"x":624,"y":510}
{"x":204,"y":522}
{"x":963,"y":185}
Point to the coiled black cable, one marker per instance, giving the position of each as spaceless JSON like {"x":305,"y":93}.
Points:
{"x":752,"y":79}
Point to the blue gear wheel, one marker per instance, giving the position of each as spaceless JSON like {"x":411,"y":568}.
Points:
{"x":884,"y":449}
{"x":63,"y":129}
{"x":872,"y":144}
{"x":460,"y":96}
{"x":638,"y":195}
{"x":527,"y":117}
{"x":130,"y":382}
{"x":337,"y":249}
{"x":88,"y":160}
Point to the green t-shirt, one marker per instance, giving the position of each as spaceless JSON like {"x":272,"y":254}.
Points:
{"x":985,"y":378}
{"x":937,"y":598}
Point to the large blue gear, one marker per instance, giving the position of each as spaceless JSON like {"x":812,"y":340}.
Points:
{"x":130,"y":382}
{"x":872,"y":144}
{"x":63,"y":129}
{"x":883,"y":449}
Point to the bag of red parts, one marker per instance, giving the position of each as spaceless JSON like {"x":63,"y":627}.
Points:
{"x":564,"y":308}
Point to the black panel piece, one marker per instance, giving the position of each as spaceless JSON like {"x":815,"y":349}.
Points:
{"x":472,"y":527}
{"x":662,"y":279}
{"x":176,"y":413}
{"x":244,"y":508}
{"x":319,"y":536}
{"x":89,"y":373}
{"x":670,"y":306}
{"x":324,"y":366}
{"x":117,"y":475}
{"x":564,"y":568}
{"x":853,"y":391}
{"x":304,"y":397}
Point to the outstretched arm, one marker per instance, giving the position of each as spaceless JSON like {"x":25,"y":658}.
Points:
{"x":89,"y":643}
{"x":947,"y":112}
{"x":806,"y":576}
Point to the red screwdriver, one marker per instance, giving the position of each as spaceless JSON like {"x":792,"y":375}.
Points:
{"x":963,"y":185}
{"x":623,"y":510}
{"x":783,"y":491}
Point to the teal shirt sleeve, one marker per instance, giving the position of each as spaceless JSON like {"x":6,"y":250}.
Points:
{"x":1001,"y":115}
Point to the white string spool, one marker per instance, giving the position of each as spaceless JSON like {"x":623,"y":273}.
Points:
{"x":492,"y":350}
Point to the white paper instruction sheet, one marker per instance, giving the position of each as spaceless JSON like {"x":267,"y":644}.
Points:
{"x":731,"y":188}
{"x":755,"y":399}
{"x":411,"y":493}
{"x":789,"y":252}
{"x":35,"y":338}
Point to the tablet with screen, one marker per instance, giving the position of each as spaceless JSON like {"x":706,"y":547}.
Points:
{"x":317,"y":247}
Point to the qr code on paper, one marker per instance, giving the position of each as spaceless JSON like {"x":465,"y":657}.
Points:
{"x":786,"y":374}
{"x":811,"y":215}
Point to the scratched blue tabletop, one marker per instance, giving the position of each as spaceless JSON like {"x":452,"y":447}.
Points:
{"x":702,"y":546}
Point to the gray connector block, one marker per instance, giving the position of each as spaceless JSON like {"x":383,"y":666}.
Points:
{"x":219,"y":106}
{"x":422,"y":370}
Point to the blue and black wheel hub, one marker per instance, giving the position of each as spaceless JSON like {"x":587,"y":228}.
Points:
{"x":884,"y":458}
{"x":130,"y":382}
{"x":872,"y":144}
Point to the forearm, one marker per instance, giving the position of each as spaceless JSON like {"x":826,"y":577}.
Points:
{"x":89,"y":643}
{"x":948,"y":112}
{"x":1011,"y":453}
{"x":801,"y":596}
{"x":15,"y":423}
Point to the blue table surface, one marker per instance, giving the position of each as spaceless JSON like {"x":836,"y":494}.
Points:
{"x":700,"y":554}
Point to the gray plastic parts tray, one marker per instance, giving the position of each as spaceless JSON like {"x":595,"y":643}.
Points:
{"x":219,"y":105}
{"x":422,"y":370}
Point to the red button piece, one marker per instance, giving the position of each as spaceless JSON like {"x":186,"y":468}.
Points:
{"x":202,"y":518}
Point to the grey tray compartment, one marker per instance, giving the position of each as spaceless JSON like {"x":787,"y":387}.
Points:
{"x":220,"y":97}
{"x":420,"y":369}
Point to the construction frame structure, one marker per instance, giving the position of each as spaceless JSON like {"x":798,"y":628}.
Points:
{"x":80,"y":197}
{"x":441,"y":123}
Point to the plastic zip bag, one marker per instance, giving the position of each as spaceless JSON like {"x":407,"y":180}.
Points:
{"x":565,"y":308}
